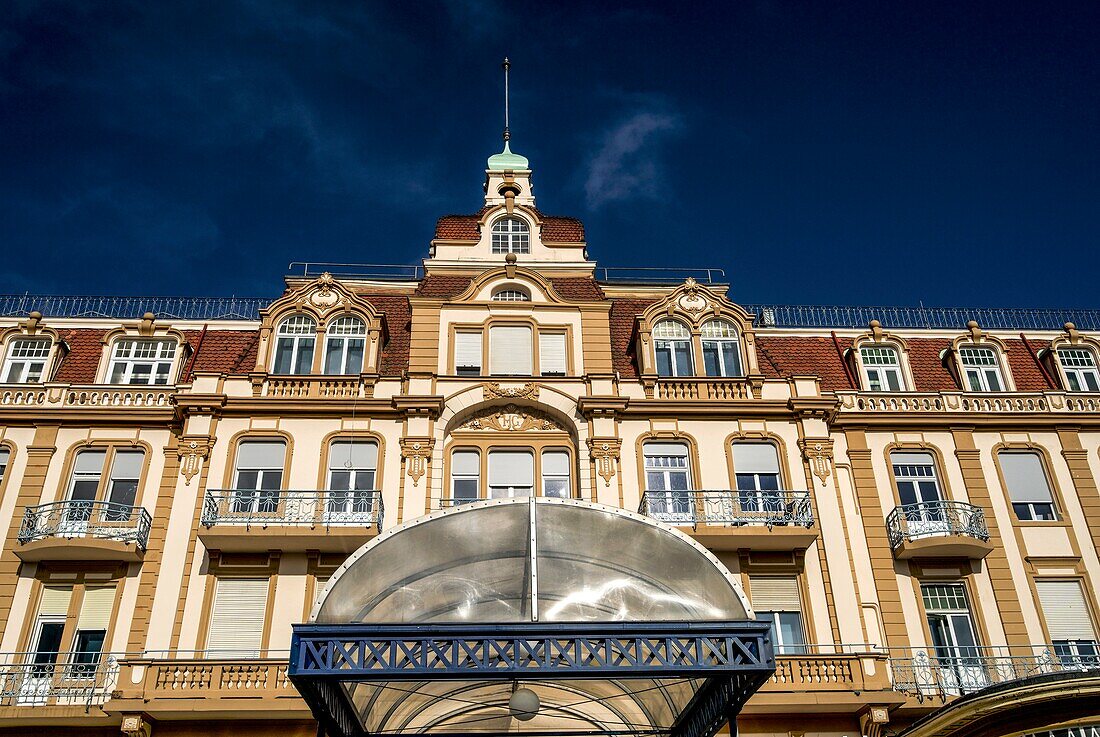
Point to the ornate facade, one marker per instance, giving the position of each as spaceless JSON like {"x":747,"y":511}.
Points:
{"x":913,"y":510}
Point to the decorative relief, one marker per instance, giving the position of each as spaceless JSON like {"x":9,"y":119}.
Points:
{"x":493,"y":390}
{"x":819,"y":454}
{"x":416,"y":453}
{"x":192,"y":452}
{"x":605,"y":452}
{"x":324,"y":297}
{"x":511,"y":418}
{"x":692,"y":300}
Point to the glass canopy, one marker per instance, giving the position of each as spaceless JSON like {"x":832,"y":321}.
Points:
{"x":609,"y":622}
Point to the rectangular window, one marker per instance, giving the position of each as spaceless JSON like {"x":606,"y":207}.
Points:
{"x":510,"y":351}
{"x":552,"y":354}
{"x":46,"y":644}
{"x":142,"y":361}
{"x":5,"y":456}
{"x":259,"y":477}
{"x":26,"y":360}
{"x":352,"y":468}
{"x":237,"y":618}
{"x":1079,"y":365}
{"x":673,"y":357}
{"x":468,"y":353}
{"x":881,"y":368}
{"x":1028,"y":488}
{"x":91,"y":630}
{"x":1068,"y":621}
{"x":954,"y":636}
{"x":919,"y":492}
{"x":465,"y":476}
{"x":122,"y":484}
{"x":555,"y":474}
{"x":668,"y":482}
{"x":982,"y":369}
{"x":777,"y":602}
{"x":511,"y":474}
{"x":756,"y":466}
{"x":84,"y":489}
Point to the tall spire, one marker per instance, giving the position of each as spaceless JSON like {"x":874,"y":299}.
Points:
{"x":506,"y":160}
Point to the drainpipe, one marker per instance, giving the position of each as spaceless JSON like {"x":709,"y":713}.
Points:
{"x":194,"y":356}
{"x":847,"y":371}
{"x":1035,"y":358}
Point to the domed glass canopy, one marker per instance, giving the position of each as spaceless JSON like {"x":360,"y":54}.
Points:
{"x":609,"y":621}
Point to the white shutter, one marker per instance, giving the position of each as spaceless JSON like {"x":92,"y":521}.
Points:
{"x":467,"y":350}
{"x":555,"y":463}
{"x":510,"y":351}
{"x":319,"y":585}
{"x":127,"y":464}
{"x":255,"y":454}
{"x":552,"y":353}
{"x":55,"y":601}
{"x":362,"y":454}
{"x":466,"y":463}
{"x":511,"y":469}
{"x":899,"y":458}
{"x":1065,"y":611}
{"x":653,"y":450}
{"x":237,"y":618}
{"x":775,"y":594}
{"x":95,"y":609}
{"x":755,"y":458}
{"x":1024,"y":476}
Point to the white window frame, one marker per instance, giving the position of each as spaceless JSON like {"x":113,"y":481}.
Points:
{"x":878,"y":370}
{"x":357,"y":501}
{"x":978,"y":375}
{"x":469,"y":369}
{"x":664,"y":501}
{"x":511,"y":294}
{"x":1079,"y":369}
{"x":509,"y":491}
{"x":474,"y":476}
{"x":718,"y":335}
{"x":257,"y":499}
{"x":547,"y":351}
{"x":506,"y":359}
{"x":1032,"y":506}
{"x":25,"y":362}
{"x":340,"y":336}
{"x":128,"y":355}
{"x":772,"y":611}
{"x":667,"y":338}
{"x":549,"y":477}
{"x":293,"y":334}
{"x":510,"y":235}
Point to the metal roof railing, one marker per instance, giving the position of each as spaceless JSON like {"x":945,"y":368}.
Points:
{"x":929,"y":318}
{"x":174,"y":308}
{"x":389,"y":272}
{"x":658,"y":274}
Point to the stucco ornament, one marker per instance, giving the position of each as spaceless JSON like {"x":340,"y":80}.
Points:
{"x":493,"y":390}
{"x":819,"y":454}
{"x":324,"y":298}
{"x":192,"y":452}
{"x":511,"y":418}
{"x":605,"y":452}
{"x":416,"y":452}
{"x":692,"y":300}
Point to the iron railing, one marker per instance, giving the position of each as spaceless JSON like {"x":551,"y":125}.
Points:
{"x":390,"y":272}
{"x":936,"y":519}
{"x":85,"y":518}
{"x":293,"y":508}
{"x":176,"y":308}
{"x":658,"y":274}
{"x":57,"y":679}
{"x":769,"y":508}
{"x":948,"y":318}
{"x":954,"y":671}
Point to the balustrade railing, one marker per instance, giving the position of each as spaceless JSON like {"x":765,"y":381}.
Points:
{"x":936,"y":519}
{"x":100,"y":395}
{"x":699,"y":388}
{"x":57,"y":679}
{"x":733,"y":508}
{"x":86,"y":518}
{"x":990,"y":402}
{"x":317,"y":387}
{"x":275,"y":507}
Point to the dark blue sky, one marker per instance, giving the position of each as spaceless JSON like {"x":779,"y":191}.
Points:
{"x":820,"y":152}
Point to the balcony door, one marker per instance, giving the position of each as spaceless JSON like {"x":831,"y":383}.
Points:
{"x":756,"y":466}
{"x":919,"y":493}
{"x":258,"y":477}
{"x":958,"y":657}
{"x":668,"y":482}
{"x":60,"y":660}
{"x":352,"y":468}
{"x":101,"y":499}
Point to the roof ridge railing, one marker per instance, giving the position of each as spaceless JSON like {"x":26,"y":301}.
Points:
{"x":658,"y":274}
{"x":384,"y":272}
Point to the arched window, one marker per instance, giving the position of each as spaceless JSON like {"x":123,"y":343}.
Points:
{"x":141,"y":361}
{"x":352,"y":474}
{"x":26,"y":360}
{"x":345,"y":341}
{"x":881,"y":368}
{"x":294,"y":343}
{"x":511,"y":295}
{"x":511,"y":235}
{"x":982,"y":369}
{"x":721,"y":353}
{"x":1079,"y":366}
{"x":672,"y":345}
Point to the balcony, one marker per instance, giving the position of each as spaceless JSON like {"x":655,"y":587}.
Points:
{"x":734,"y":520}
{"x":924,"y":404}
{"x":940,"y":529}
{"x":256,"y":520}
{"x":79,"y":529}
{"x":51,"y":685}
{"x":69,"y":396}
{"x":834,"y":680}
{"x":704,"y":389}
{"x":316,"y":387}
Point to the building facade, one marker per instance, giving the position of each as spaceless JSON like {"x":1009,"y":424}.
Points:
{"x":908,"y":497}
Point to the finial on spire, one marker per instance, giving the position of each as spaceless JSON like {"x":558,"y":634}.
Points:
{"x":506,"y":66}
{"x":506,"y":160}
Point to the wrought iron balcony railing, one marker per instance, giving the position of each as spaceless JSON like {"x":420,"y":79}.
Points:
{"x":283,"y":508}
{"x":768,"y":508}
{"x":954,"y":671}
{"x":936,"y":519}
{"x":57,"y":679}
{"x":83,"y":518}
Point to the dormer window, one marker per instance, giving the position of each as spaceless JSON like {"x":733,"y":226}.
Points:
{"x":26,"y":360}
{"x":1079,"y":367}
{"x":345,"y":342}
{"x":511,"y":235}
{"x":672,"y":345}
{"x":982,"y":369}
{"x":511,"y":295}
{"x":881,"y":368}
{"x":142,"y":361}
{"x":295,"y":340}
{"x":721,"y":353}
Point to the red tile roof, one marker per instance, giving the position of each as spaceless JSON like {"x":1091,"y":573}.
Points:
{"x":442,"y":287}
{"x":555,"y":228}
{"x":624,"y":313}
{"x":806,"y":356}
{"x":224,"y":351}
{"x":929,"y":372}
{"x":80,"y":364}
{"x":395,"y":353}
{"x":1025,"y":368}
{"x":577,"y":289}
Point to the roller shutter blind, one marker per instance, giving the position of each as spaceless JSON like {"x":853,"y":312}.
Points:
{"x":775,"y":595}
{"x":55,"y":601}
{"x":467,"y":351}
{"x":755,"y":458}
{"x":1024,"y":475}
{"x":552,"y":353}
{"x":237,"y":618}
{"x":1065,"y":610}
{"x":95,"y":609}
{"x":510,"y":351}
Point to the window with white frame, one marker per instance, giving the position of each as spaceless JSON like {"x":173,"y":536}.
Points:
{"x":552,"y":354}
{"x":756,"y":468}
{"x":1079,"y":366}
{"x":511,"y":235}
{"x":919,"y":493}
{"x":142,"y":361}
{"x":345,"y":343}
{"x":258,"y":476}
{"x":47,"y":636}
{"x":668,"y":482}
{"x":5,"y":456}
{"x":237,"y":618}
{"x":26,"y":360}
{"x":982,"y":369}
{"x":352,"y":471}
{"x":721,"y":350}
{"x":672,"y":348}
{"x":118,"y":487}
{"x":777,"y":601}
{"x":295,"y":339}
{"x":954,"y":636}
{"x":1028,"y":487}
{"x":1069,"y":623}
{"x":510,"y":351}
{"x":555,"y":474}
{"x":82,"y":648}
{"x":468,"y":353}
{"x":91,"y":630}
{"x":511,"y":295}
{"x":465,"y":476}
{"x":511,"y":473}
{"x":881,"y":368}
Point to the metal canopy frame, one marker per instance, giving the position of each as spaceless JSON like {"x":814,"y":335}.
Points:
{"x":734,"y":659}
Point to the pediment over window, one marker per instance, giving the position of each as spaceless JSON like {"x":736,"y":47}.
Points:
{"x":507,"y":283}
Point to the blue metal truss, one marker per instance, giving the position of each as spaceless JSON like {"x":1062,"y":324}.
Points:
{"x":734,"y":658}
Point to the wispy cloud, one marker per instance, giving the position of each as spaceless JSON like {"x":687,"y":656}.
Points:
{"x":627,"y":166}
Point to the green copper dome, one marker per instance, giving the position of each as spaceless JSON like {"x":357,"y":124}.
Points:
{"x":507,"y":161}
